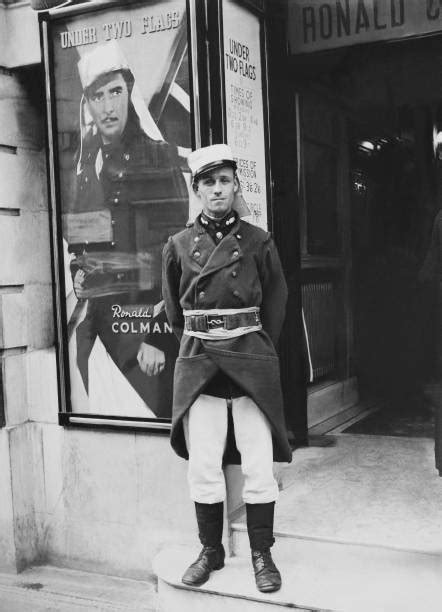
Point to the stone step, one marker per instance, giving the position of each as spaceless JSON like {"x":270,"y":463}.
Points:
{"x":319,"y":576}
{"x":358,"y":529}
{"x":289,"y":544}
{"x":54,"y":589}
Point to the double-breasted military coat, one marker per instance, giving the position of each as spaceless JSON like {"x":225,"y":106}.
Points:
{"x":242,"y":271}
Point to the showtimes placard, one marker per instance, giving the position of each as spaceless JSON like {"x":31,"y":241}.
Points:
{"x":244,"y":105}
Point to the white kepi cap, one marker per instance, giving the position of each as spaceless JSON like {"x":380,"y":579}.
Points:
{"x":209,"y":158}
{"x":101,"y":60}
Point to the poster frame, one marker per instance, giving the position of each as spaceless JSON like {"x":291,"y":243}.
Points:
{"x":66,"y":416}
{"x":2,"y":396}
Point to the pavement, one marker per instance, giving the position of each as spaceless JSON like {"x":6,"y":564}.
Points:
{"x":372,"y":490}
{"x":368,"y":499}
{"x":52,"y":589}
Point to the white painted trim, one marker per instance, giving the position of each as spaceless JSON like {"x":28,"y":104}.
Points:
{"x":118,"y":422}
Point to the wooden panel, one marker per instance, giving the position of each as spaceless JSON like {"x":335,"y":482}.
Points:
{"x":319,"y":303}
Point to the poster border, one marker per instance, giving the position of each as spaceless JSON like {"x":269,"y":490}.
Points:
{"x":66,"y":417}
{"x":2,"y":395}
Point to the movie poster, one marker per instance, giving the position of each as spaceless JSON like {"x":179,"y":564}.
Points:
{"x":121,"y":100}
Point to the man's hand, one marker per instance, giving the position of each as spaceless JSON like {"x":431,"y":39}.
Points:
{"x":150,"y":359}
{"x":78,"y":283}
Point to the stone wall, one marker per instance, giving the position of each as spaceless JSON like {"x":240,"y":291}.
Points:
{"x":88,"y":499}
{"x":26,"y":327}
{"x":82,"y":498}
{"x":19,"y":38}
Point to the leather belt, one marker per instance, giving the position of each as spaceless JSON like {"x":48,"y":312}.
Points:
{"x":207,"y":322}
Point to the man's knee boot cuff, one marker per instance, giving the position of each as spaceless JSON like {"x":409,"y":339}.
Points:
{"x":260,"y":525}
{"x":210,"y":523}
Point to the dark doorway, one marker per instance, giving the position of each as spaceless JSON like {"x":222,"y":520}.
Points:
{"x":391,"y":97}
{"x":395,"y":197}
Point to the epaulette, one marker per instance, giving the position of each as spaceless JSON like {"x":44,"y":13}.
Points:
{"x":190,"y":223}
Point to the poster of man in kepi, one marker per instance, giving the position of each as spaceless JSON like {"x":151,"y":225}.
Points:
{"x":122,"y":117}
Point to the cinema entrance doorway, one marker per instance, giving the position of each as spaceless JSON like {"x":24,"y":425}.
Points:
{"x":369,"y":126}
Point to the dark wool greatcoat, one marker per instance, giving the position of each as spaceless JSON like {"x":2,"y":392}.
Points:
{"x":243,"y":270}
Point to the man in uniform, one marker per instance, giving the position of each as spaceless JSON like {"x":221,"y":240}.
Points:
{"x":130,"y":195}
{"x":225,"y":297}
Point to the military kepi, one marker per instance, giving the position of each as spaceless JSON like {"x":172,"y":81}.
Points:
{"x":209,"y":158}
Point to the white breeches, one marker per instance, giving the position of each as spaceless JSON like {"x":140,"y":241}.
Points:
{"x":205,"y":427}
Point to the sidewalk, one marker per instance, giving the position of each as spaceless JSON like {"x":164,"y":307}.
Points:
{"x":358,"y":528}
{"x":358,"y":524}
{"x":51,"y":589}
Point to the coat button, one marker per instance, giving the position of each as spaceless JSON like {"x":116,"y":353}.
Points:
{"x":236,"y":293}
{"x":127,"y":156}
{"x":196,"y":239}
{"x":116,"y":200}
{"x":120,"y":175}
{"x":197,"y":254}
{"x":113,"y":222}
{"x":234,"y":273}
{"x":201,"y":295}
{"x":239,"y":236}
{"x":235,"y":253}
{"x":219,"y":235}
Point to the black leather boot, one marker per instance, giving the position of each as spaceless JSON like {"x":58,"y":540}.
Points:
{"x":260,"y":529}
{"x":211,"y":557}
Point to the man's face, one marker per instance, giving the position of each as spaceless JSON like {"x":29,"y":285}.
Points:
{"x":216,"y":191}
{"x":108,"y":105}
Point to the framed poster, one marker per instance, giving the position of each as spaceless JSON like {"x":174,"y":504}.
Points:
{"x":2,"y":400}
{"x":245,"y":95}
{"x":119,"y":105}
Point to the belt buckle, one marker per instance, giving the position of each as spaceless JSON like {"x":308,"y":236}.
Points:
{"x":215,"y":322}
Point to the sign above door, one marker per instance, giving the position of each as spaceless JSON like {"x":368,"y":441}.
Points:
{"x":320,"y":25}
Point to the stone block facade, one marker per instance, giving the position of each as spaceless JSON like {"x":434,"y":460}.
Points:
{"x":87,"y":499}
